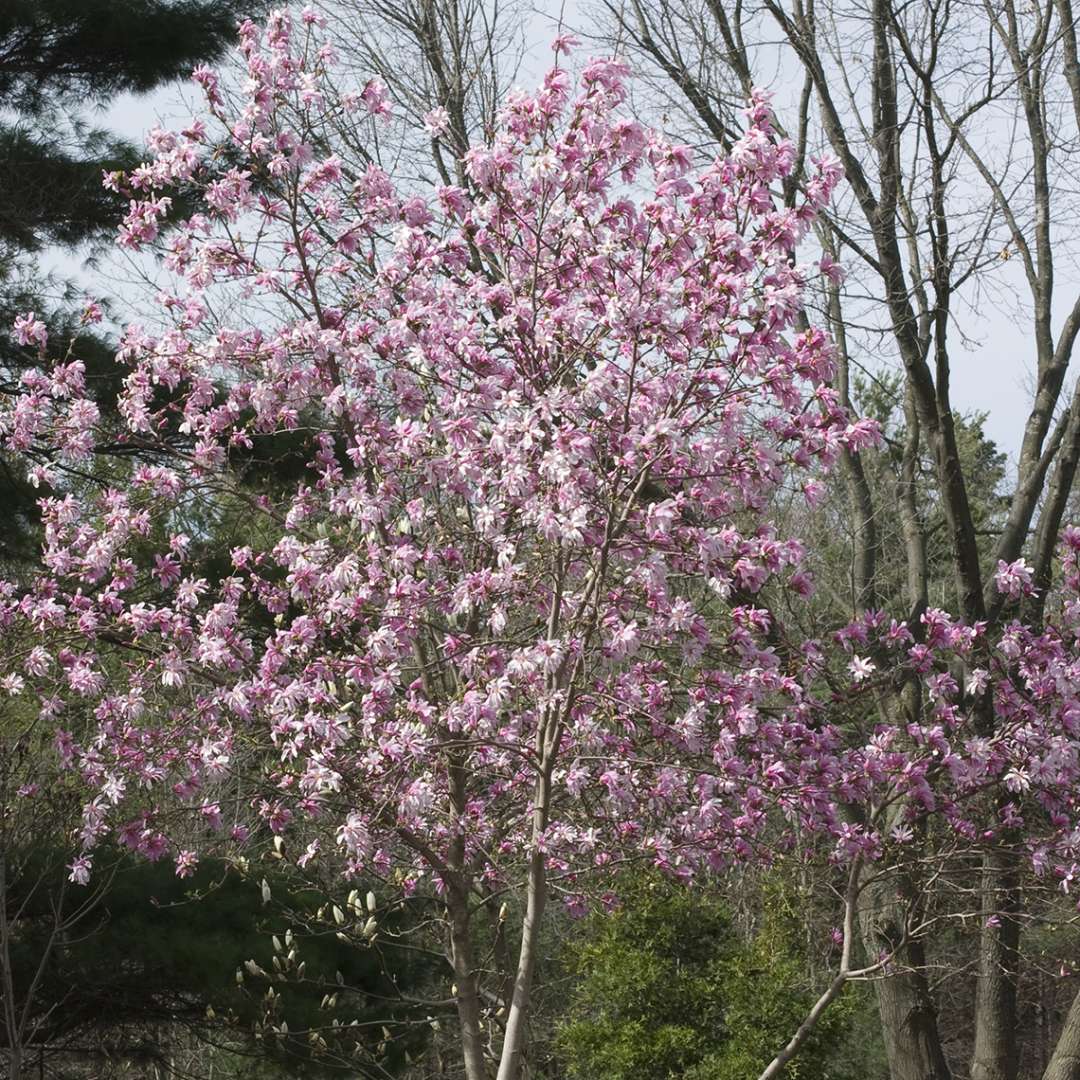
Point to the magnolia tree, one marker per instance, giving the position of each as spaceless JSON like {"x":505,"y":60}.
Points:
{"x":510,"y":630}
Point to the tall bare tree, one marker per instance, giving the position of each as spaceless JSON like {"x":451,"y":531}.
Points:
{"x":956,"y":124}
{"x":457,"y":55}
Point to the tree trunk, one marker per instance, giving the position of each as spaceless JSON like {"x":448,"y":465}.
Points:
{"x":468,"y":997}
{"x":514,"y":1040}
{"x":1065,"y":1063}
{"x":909,"y":1023}
{"x":11,"y":1024}
{"x":996,"y":1055}
{"x":908,"y":1016}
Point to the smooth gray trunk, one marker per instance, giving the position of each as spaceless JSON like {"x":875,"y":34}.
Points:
{"x":468,"y":997}
{"x":511,"y":1058}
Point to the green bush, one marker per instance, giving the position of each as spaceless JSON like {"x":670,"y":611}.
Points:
{"x":666,"y":988}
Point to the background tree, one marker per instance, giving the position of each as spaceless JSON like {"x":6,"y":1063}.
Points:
{"x":127,"y":978}
{"x":59,"y":61}
{"x":461,"y":56}
{"x":667,"y":986}
{"x":930,"y":205}
{"x":954,"y":125}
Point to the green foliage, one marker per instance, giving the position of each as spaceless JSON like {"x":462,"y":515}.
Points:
{"x":54,"y":50}
{"x":156,"y":952}
{"x":57,"y":56}
{"x":767,"y":997}
{"x":666,"y":988}
{"x":53,"y":193}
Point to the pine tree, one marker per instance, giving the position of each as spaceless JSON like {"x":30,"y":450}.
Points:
{"x":59,"y":58}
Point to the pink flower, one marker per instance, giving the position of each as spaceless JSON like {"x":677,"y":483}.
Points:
{"x":1014,"y":579}
{"x":30,"y":330}
{"x":863,"y":433}
{"x":80,"y":870}
{"x":208,"y":80}
{"x":211,"y":814}
{"x":831,"y":269}
{"x":377,"y":99}
{"x":436,"y":122}
{"x":813,"y":491}
{"x":186,"y":862}
{"x":576,"y":906}
{"x":861,"y":668}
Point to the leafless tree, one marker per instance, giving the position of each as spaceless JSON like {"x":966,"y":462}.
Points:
{"x":459,"y":55}
{"x":957,"y":126}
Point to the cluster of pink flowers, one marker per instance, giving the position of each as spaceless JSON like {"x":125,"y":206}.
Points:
{"x":1014,"y":579}
{"x":30,"y":330}
{"x":545,"y":417}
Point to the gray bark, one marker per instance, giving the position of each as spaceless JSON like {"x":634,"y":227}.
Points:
{"x":1065,"y":1062}
{"x":996,"y":1054}
{"x":908,"y":1016}
{"x":465,"y":978}
{"x":511,"y":1059}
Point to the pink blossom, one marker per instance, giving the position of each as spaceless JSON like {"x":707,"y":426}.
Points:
{"x":543,"y":423}
{"x":30,"y":330}
{"x":186,"y":862}
{"x":377,"y":99}
{"x":80,"y":870}
{"x":1014,"y":579}
{"x":861,"y":668}
{"x":436,"y":121}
